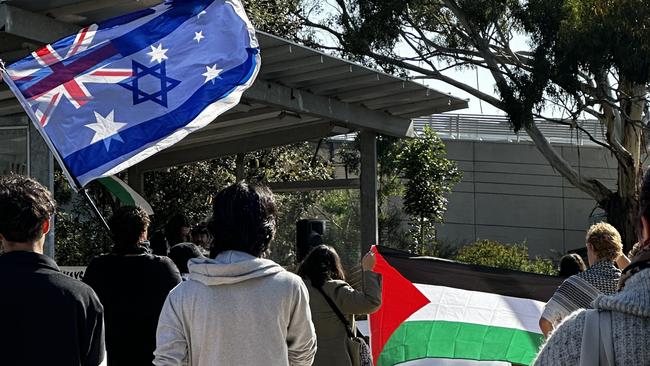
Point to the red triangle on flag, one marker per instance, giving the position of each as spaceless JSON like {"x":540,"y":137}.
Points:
{"x":399,"y":300}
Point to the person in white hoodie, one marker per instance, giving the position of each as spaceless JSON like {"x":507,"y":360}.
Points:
{"x":238,"y":308}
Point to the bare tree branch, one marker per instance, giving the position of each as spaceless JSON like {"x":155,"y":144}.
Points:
{"x":591,"y":186}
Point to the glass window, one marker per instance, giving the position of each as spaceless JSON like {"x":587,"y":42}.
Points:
{"x":13,"y":150}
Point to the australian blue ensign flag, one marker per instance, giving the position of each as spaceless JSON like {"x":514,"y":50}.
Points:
{"x":122,"y":90}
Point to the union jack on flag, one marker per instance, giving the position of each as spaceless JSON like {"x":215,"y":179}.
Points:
{"x":74,"y":90}
{"x":119,"y":91}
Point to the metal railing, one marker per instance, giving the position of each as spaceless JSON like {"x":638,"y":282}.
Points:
{"x":497,"y":128}
{"x":477,"y":127}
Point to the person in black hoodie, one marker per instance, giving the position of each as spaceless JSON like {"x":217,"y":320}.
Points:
{"x":132,"y":285}
{"x":47,"y":317}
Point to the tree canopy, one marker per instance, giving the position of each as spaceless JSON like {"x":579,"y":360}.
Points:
{"x":417,"y":171}
{"x":580,"y":58}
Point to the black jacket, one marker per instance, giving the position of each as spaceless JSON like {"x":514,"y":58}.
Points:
{"x":46,"y":317}
{"x":133,"y":289}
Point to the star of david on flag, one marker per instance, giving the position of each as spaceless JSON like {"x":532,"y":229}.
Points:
{"x":122,"y":90}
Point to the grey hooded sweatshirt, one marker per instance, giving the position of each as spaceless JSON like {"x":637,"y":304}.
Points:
{"x":236,"y":309}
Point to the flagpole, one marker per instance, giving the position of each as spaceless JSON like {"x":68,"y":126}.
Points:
{"x":74,"y":183}
{"x":98,"y":214}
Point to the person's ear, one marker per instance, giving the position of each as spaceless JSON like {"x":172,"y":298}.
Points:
{"x":144,"y":235}
{"x":645,"y":228}
{"x":46,"y":227}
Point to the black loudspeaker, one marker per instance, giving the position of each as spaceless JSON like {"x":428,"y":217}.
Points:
{"x":309,"y":233}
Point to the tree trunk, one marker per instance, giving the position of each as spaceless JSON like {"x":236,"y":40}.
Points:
{"x":421,"y":235}
{"x":622,"y":208}
{"x":622,"y":215}
{"x":240,"y":168}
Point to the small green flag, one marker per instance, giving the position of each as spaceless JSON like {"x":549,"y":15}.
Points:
{"x":125,"y":194}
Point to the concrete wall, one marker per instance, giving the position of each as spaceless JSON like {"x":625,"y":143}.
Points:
{"x":510,"y":193}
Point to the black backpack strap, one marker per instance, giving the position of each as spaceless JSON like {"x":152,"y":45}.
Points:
{"x":339,"y":314}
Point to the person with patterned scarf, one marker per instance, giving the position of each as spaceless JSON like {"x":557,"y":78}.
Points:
{"x":578,"y":291}
{"x":615,"y":331}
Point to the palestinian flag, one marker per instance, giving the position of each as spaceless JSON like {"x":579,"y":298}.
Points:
{"x":124,"y":193}
{"x":434,"y":309}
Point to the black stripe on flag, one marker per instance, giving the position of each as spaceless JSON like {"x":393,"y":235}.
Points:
{"x":442,"y":272}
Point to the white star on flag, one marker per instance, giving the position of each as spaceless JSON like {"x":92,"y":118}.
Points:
{"x":158,"y":53}
{"x":198,"y":36}
{"x":211,"y":73}
{"x":106,"y":129}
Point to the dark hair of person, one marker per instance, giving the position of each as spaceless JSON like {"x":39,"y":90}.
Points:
{"x":571,"y":264}
{"x":158,"y":244}
{"x":200,"y":229}
{"x":243,"y":219}
{"x":183,"y":252}
{"x":127,"y":225}
{"x":173,"y":229}
{"x":321,"y":265}
{"x":25,"y":206}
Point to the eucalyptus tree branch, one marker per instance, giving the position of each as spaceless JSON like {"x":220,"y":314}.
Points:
{"x":439,"y":76}
{"x":456,"y":64}
{"x":483,"y":47}
{"x":347,"y":22}
{"x":423,"y":57}
{"x":589,"y":185}
{"x":309,"y":23}
{"x":418,"y":51}
{"x":576,"y":126}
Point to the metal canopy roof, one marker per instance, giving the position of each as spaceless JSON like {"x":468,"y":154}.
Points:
{"x":300,"y":93}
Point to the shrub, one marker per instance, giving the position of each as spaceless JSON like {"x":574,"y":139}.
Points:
{"x":508,"y":256}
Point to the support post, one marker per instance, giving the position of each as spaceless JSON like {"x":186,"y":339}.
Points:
{"x":240,"y":169}
{"x":41,"y":168}
{"x":135,"y":179}
{"x":369,"y":225}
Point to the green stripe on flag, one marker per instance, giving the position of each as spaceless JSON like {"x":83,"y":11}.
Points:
{"x":415,"y":340}
{"x":118,"y":190}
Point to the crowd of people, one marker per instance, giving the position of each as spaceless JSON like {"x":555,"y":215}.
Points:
{"x":210,"y":296}
{"x":203,"y":296}
{"x":602,"y":316}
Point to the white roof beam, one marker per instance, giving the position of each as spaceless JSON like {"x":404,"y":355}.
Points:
{"x":236,"y":131}
{"x":286,"y":65}
{"x":370,"y":91}
{"x":230,"y":146}
{"x":439,"y":108}
{"x":318,"y":74}
{"x":6,"y":94}
{"x":33,"y":26}
{"x":345,"y":83}
{"x":92,"y":5}
{"x":10,"y":106}
{"x":271,"y":52}
{"x":303,"y":102}
{"x":406,"y":96}
{"x":243,"y":117}
{"x":425,"y":107}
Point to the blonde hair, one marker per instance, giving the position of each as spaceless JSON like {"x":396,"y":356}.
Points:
{"x":605,"y":241}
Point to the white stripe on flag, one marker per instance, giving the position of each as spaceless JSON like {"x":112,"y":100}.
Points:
{"x":475,"y":307}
